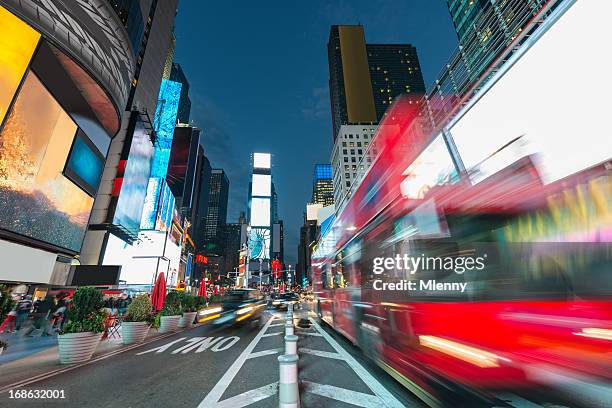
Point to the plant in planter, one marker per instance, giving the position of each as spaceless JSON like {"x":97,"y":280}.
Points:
{"x":170,"y":313}
{"x":189,"y":307}
{"x":6,"y":302}
{"x":82,"y":333}
{"x":137,"y":320}
{"x":3,"y":345}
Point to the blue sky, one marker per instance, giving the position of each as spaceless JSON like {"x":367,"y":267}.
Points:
{"x":258,"y":82}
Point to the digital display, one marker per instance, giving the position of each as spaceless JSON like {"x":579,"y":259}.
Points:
{"x":165,"y":210}
{"x":259,"y":243}
{"x":38,"y":201}
{"x":260,"y":212}
{"x":85,"y":164}
{"x":562,"y":123}
{"x":433,"y":167}
{"x":131,"y":202}
{"x":149,"y":210}
{"x":163,"y":124}
{"x":261,"y":160}
{"x":17,"y":44}
{"x":262,"y":185}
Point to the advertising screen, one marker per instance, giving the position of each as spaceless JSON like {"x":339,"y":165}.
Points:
{"x":434,"y":166}
{"x":262,"y":185}
{"x":261,"y":160}
{"x":260,"y":212}
{"x":17,"y":44}
{"x":135,"y":180}
{"x":85,"y":164}
{"x":38,"y":201}
{"x":562,"y":121}
{"x":164,"y":123}
{"x":165,"y":209}
{"x":259,"y":243}
{"x":149,"y":210}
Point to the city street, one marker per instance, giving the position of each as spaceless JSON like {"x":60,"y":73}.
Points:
{"x":206,"y":367}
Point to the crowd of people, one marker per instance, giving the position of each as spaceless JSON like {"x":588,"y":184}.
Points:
{"x":49,"y":314}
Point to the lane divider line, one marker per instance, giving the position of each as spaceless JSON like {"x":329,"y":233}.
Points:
{"x":264,"y":353}
{"x":271,"y":334}
{"x":212,"y":398}
{"x":320,"y":353}
{"x":249,"y":397}
{"x":342,"y":394}
{"x":387,"y":399}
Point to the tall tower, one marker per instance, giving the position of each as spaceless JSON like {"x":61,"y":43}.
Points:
{"x":260,"y":214}
{"x":322,"y":185}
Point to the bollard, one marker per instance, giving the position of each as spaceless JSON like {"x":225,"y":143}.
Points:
{"x":290,"y":308}
{"x":291,"y":344}
{"x":289,"y":328}
{"x":288,"y":390}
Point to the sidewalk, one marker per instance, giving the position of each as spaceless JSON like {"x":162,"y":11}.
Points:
{"x":29,"y":357}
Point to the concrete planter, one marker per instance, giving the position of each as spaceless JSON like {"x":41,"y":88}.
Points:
{"x":169,"y":323}
{"x":187,"y":319}
{"x":1,"y":350}
{"x":77,"y":347}
{"x":134,"y":332}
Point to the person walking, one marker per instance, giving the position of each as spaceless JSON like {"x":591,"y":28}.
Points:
{"x":24,"y":307}
{"x":9,"y":321}
{"x":41,"y":318}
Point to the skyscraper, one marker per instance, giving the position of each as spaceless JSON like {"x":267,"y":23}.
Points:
{"x":365,"y":78}
{"x":216,"y":214}
{"x":177,"y":75}
{"x":322,"y":185}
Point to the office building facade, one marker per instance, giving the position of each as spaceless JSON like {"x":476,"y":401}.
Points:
{"x":216,"y":213}
{"x":323,"y":184}
{"x":184,"y":110}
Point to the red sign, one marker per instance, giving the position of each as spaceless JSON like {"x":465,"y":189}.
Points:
{"x":201,"y":259}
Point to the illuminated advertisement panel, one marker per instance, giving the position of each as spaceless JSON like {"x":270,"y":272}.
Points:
{"x":17,"y":44}
{"x":563,"y":124}
{"x":261,"y":160}
{"x":149,"y":210}
{"x":260,"y":212}
{"x":85,"y":164}
{"x":262,"y":185}
{"x":135,"y":181}
{"x":433,"y":167}
{"x":38,"y":201}
{"x":165,"y":209}
{"x":259,"y":243}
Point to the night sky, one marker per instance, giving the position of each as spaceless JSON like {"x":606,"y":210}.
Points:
{"x":258,"y":82}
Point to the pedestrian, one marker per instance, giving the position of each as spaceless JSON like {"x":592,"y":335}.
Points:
{"x":41,"y":318}
{"x":9,"y":321}
{"x":58,"y":312}
{"x":24,"y":307}
{"x":122,"y":305}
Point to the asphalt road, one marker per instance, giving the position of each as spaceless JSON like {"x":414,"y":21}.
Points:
{"x":206,"y":367}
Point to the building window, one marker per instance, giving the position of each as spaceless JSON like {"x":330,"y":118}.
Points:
{"x":354,"y":167}
{"x":358,"y":144}
{"x":346,"y":159}
{"x":353,"y":159}
{"x":346,"y":167}
{"x":348,"y":183}
{"x":347,"y":175}
{"x":344,"y":151}
{"x":343,"y":144}
{"x":350,"y":136}
{"x":352,"y":144}
{"x":359,"y":151}
{"x":352,"y":151}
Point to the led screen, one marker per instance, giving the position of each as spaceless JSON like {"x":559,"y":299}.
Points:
{"x":259,"y":243}
{"x":164,"y":123}
{"x":130,"y":204}
{"x":260,"y":212}
{"x":165,"y":209}
{"x":85,"y":164}
{"x":149,"y":210}
{"x":261,"y":160}
{"x":561,"y":120}
{"x":38,"y":201}
{"x":17,"y":44}
{"x":262,"y":185}
{"x":434,"y":166}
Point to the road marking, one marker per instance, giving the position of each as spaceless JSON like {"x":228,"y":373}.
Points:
{"x":320,"y":353}
{"x":310,"y":334}
{"x":385,"y":396}
{"x":342,"y":394}
{"x":215,"y":394}
{"x":277,"y":324}
{"x":53,"y":373}
{"x":249,"y":397}
{"x":219,"y":347}
{"x":271,"y":334}
{"x":264,"y":353}
{"x":163,"y":348}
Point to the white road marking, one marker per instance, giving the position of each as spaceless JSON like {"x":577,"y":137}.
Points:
{"x":163,"y":348}
{"x":271,"y":334}
{"x":220,"y":346}
{"x":320,"y":353}
{"x":277,"y":324}
{"x":310,"y":334}
{"x":264,"y":353}
{"x":249,"y":397}
{"x":215,"y":394}
{"x":201,"y":343}
{"x":385,"y":396}
{"x":342,"y":394}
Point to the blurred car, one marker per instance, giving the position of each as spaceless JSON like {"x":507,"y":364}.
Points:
{"x":275,"y":299}
{"x":237,"y":306}
{"x":286,"y":299}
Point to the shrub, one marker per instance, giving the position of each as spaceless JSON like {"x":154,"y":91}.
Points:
{"x":172,"y":305}
{"x":140,"y":310}
{"x":86,"y":313}
{"x":188,"y":303}
{"x":6,"y":301}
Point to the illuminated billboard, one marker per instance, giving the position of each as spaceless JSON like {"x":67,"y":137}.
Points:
{"x":261,"y":160}
{"x":433,"y":167}
{"x":17,"y":44}
{"x":564,"y":122}
{"x":85,"y":164}
{"x":262,"y":185}
{"x":260,"y":212}
{"x":135,"y":180}
{"x":38,"y":201}
{"x":259,"y":243}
